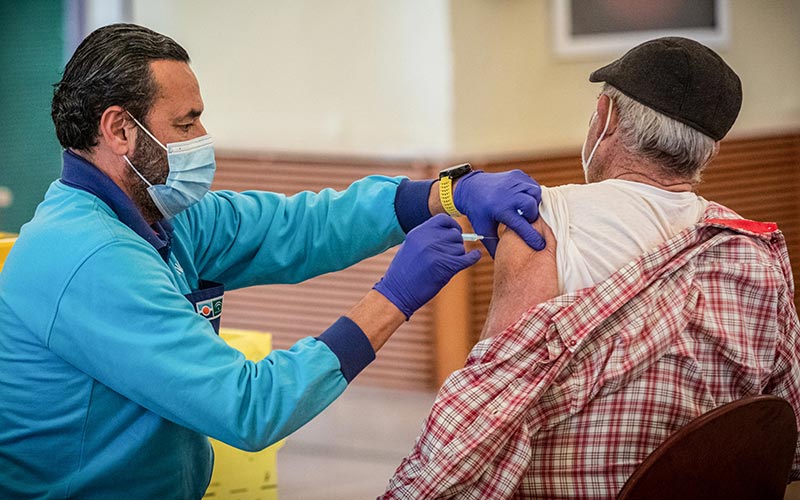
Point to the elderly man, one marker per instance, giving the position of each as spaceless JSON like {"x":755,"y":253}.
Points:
{"x":648,"y":307}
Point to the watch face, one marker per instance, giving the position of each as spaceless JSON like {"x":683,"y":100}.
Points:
{"x":457,"y":171}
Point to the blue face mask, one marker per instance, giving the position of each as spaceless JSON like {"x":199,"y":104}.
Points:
{"x":191,"y":171}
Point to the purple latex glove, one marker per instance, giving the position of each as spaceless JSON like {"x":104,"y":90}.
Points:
{"x":511,"y":198}
{"x":432,"y":254}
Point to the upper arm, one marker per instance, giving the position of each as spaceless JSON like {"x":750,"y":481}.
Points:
{"x":256,"y":237}
{"x":523,"y":278}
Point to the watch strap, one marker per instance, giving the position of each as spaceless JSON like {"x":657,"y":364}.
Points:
{"x":446,"y":196}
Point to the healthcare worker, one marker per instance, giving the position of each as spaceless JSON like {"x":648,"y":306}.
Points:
{"x":111,"y":369}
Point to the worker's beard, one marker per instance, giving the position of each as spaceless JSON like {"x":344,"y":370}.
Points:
{"x":151,"y":161}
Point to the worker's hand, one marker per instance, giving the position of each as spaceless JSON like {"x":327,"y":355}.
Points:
{"x":432,"y":254}
{"x":511,"y":198}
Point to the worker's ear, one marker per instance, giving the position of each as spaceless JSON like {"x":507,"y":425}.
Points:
{"x":604,"y":102}
{"x":117,"y":130}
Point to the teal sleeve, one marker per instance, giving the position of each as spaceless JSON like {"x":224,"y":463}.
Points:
{"x":126,"y":326}
{"x":255,"y":237}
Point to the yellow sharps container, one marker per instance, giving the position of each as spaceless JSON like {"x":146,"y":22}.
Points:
{"x":242,"y":475}
{"x":6,"y":242}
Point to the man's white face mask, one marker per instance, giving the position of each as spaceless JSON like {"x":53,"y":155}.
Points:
{"x":586,"y":161}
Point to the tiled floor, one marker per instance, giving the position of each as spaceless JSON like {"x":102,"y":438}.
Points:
{"x":350,"y":451}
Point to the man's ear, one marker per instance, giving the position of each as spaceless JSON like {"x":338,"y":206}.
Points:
{"x":604,"y":102}
{"x":116,"y":130}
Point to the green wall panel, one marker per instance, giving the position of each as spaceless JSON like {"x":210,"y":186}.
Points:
{"x":31,"y":61}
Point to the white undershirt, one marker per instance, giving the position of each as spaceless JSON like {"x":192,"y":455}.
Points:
{"x":601,"y":227}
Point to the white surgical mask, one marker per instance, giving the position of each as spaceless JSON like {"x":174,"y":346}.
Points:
{"x":586,"y":161}
{"x":191,"y":171}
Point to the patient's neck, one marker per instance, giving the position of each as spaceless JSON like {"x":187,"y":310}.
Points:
{"x":675,"y":185}
{"x":633,"y":169}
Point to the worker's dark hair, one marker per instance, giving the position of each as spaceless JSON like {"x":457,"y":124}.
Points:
{"x":110,"y":67}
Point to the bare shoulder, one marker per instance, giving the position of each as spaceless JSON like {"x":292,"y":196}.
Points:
{"x":523,"y":278}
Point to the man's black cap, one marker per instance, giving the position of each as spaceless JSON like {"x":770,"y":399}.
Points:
{"x":680,"y":78}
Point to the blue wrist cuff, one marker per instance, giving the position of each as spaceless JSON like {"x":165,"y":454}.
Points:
{"x":350,"y":345}
{"x":411,"y":203}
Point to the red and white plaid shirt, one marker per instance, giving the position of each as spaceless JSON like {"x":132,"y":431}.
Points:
{"x":569,"y":400}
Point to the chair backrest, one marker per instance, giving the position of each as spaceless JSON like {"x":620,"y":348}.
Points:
{"x":739,"y":450}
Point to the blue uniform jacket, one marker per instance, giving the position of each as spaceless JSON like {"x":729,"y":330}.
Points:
{"x":111,"y":381}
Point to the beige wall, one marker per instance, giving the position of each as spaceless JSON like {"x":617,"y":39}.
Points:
{"x":342,"y":76}
{"x":513,"y":94}
{"x":433,"y":78}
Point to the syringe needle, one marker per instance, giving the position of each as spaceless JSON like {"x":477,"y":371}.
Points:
{"x":475,"y":237}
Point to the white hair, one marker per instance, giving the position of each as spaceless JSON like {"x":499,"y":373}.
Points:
{"x":680,"y":150}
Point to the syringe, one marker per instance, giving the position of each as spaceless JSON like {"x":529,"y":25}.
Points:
{"x":475,"y":237}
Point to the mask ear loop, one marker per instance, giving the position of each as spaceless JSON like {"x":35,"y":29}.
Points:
{"x":137,"y":172}
{"x":603,"y":133}
{"x":146,"y":131}
{"x":149,"y":184}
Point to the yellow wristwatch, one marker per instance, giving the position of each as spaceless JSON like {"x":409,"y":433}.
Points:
{"x":447,"y":179}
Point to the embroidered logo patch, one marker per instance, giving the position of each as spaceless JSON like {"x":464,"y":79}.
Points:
{"x":211,"y":308}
